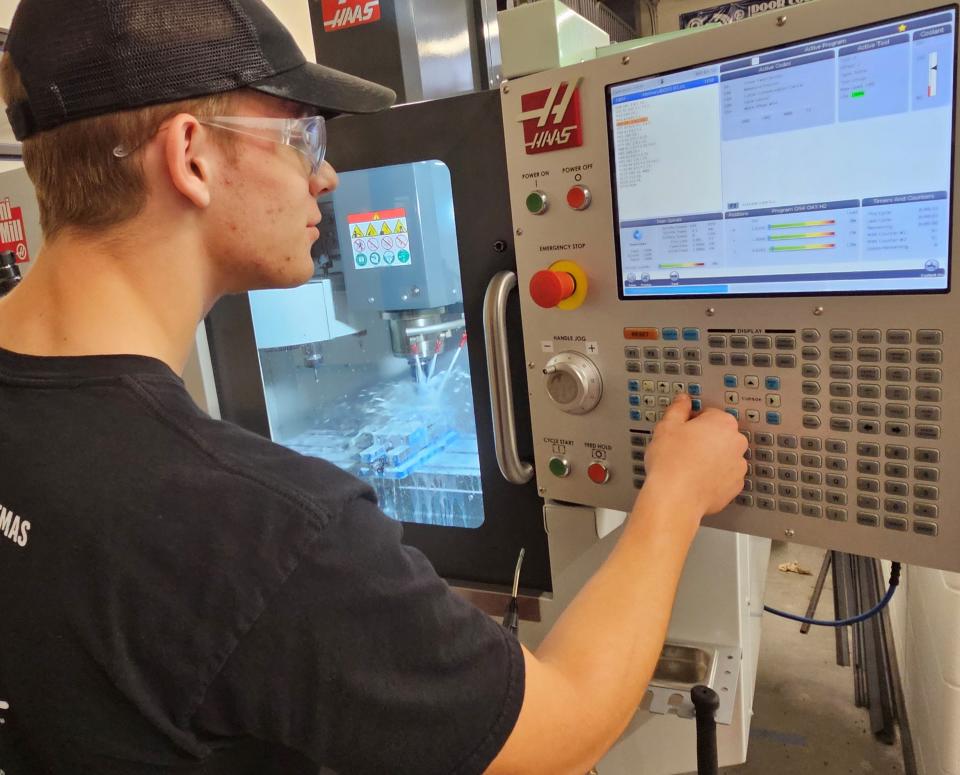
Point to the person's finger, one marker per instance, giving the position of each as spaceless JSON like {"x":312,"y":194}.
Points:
{"x":679,"y":410}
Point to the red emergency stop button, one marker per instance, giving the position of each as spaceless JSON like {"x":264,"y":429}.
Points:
{"x":598,"y":473}
{"x":578,"y":197}
{"x":548,"y":288}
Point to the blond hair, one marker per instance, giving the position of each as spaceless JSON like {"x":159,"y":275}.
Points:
{"x":79,"y":181}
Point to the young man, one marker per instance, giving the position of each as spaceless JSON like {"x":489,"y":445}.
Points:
{"x":177,"y":595}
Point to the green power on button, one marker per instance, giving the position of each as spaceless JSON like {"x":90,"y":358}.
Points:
{"x":537,"y":202}
{"x":559,"y":467}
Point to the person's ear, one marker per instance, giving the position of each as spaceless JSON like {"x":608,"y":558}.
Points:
{"x":188,"y":154}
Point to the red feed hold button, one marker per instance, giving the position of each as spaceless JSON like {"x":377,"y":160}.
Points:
{"x":578,"y":197}
{"x":549,"y":288}
{"x":598,"y":473}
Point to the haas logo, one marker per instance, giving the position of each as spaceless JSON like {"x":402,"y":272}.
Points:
{"x":551,"y":118}
{"x":341,"y":14}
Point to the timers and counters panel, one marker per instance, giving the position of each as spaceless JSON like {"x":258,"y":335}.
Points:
{"x":845,"y":396}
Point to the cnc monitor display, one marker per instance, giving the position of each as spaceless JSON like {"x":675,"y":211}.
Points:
{"x":708,"y":201}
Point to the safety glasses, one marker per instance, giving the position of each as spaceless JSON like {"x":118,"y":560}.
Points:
{"x":307,"y":135}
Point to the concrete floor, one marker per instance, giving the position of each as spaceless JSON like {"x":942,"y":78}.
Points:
{"x":804,"y":717}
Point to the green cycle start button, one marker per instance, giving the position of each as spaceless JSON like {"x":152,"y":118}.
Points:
{"x":559,"y":467}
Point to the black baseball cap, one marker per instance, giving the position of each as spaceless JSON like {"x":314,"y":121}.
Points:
{"x":83,"y":58}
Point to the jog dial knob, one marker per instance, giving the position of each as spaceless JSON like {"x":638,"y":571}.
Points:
{"x":573,"y":382}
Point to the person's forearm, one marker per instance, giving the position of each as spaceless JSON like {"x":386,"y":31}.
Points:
{"x":607,"y":642}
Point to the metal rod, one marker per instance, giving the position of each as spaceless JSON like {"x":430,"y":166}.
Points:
{"x":817,"y":591}
{"x":435,"y":328}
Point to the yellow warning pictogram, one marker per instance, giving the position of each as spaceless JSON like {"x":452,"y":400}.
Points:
{"x":385,"y":229}
{"x":376,"y":217}
{"x":372,"y":231}
{"x":399,"y":228}
{"x":357,"y":232}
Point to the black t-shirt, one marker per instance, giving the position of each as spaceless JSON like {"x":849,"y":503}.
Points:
{"x":180,"y":595}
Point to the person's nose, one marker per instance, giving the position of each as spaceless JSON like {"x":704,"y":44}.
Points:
{"x":324,"y":180}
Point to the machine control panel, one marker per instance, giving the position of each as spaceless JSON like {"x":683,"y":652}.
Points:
{"x":710,"y":233}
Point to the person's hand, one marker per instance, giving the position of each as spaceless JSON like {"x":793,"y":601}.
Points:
{"x":699,"y":460}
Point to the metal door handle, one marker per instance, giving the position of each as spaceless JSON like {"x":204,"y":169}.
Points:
{"x":514,"y":469}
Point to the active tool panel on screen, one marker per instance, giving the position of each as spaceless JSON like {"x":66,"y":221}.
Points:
{"x":760,"y":216}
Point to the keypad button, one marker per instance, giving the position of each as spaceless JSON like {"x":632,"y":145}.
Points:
{"x":762,"y":342}
{"x":671,"y":368}
{"x":926,"y":510}
{"x":652,"y":352}
{"x":634,"y":400}
{"x":867,"y":519}
{"x":898,"y":336}
{"x":841,"y":335}
{"x":896,"y":469}
{"x":739,"y":342}
{"x":763,"y":455}
{"x":764,"y":471}
{"x":663,"y":401}
{"x":868,"y":427}
{"x":925,"y":528}
{"x":836,"y":463}
{"x":836,"y":480}
{"x":651,"y":367}
{"x":927,"y":336}
{"x":786,"y":361}
{"x":811,"y":461}
{"x":810,"y":353}
{"x":929,"y":376}
{"x":865,"y":484}
{"x":739,"y":359}
{"x":773,"y":418}
{"x":787,"y":441}
{"x":898,"y":374}
{"x":748,"y":485}
{"x":810,"y":335}
{"x":841,"y":354}
{"x":751,"y":381}
{"x":836,"y":446}
{"x":926,"y":492}
{"x":638,"y":440}
{"x":840,"y":371}
{"x":631,"y":353}
{"x":772,"y":400}
{"x":929,"y":356}
{"x":636,"y":415}
{"x":812,"y":510}
{"x":717,"y":340}
{"x":841,"y":424}
{"x":788,"y":475}
{"x":673,"y":354}
{"x":810,"y":422}
{"x":633,"y":385}
{"x":897,"y":393}
{"x":691,"y":335}
{"x":788,"y":490}
{"x":786,"y":458}
{"x":811,"y":477}
{"x":895,"y":523}
{"x":810,"y":371}
{"x":841,"y":407}
{"x":811,"y":444}
{"x":869,"y":354}
{"x":692,"y":369}
{"x":730,"y":380}
{"x":841,"y":389}
{"x":785,"y":342}
{"x":869,"y":373}
{"x":836,"y":514}
{"x":762,"y":360}
{"x":691,"y":354}
{"x":811,"y":493}
{"x":929,"y":394}
{"x":868,"y":467}
{"x":926,"y":474}
{"x":898,"y":355}
{"x":897,"y":429}
{"x":837,"y":498}
{"x":895,"y":506}
{"x":717,"y":359}
{"x":764,"y":438}
{"x":810,"y":388}
{"x":766,"y":503}
{"x":927,"y":413}
{"x":766,"y":488}
{"x":671,"y":334}
{"x":925,"y":455}
{"x":896,"y":452}
{"x":789,"y":507}
{"x":928,"y":431}
{"x":868,"y":449}
{"x":868,"y":501}
{"x":868,"y":409}
{"x":893,"y":487}
{"x":898,"y":411}
{"x":868,"y":336}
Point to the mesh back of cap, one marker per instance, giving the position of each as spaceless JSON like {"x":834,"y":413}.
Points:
{"x":112,"y":54}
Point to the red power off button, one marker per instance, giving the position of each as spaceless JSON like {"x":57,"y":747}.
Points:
{"x":578,"y":197}
{"x":598,"y":473}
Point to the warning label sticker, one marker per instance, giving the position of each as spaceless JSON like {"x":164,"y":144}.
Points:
{"x":343,"y":14}
{"x":13,"y":236}
{"x":380,"y":239}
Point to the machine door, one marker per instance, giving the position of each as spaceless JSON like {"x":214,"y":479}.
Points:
{"x":378,"y":364}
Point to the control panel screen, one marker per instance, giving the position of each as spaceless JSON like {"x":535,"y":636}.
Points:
{"x":820,"y":167}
